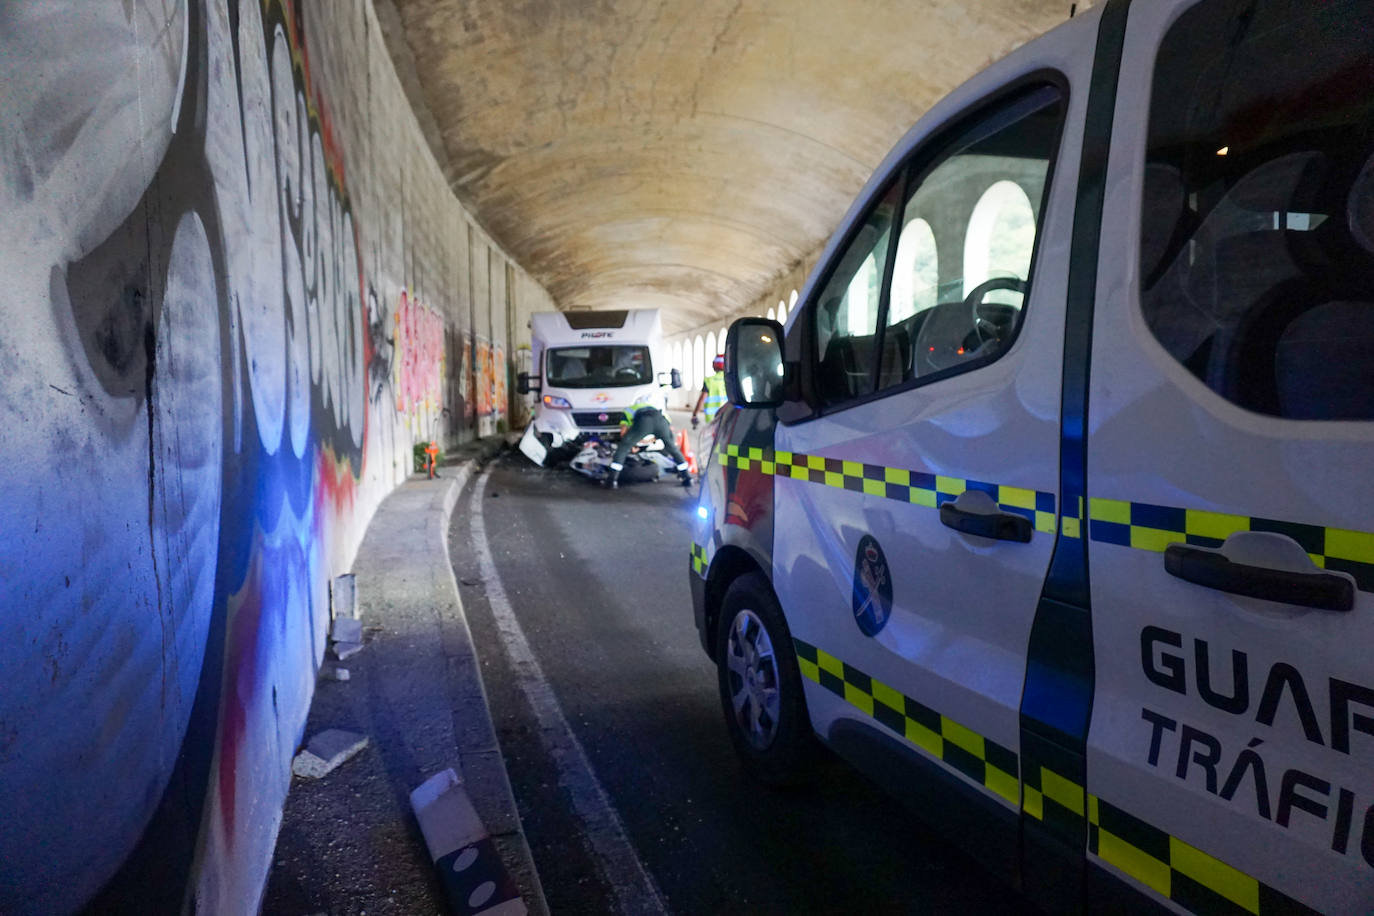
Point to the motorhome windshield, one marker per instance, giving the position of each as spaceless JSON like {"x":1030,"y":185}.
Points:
{"x":598,"y":367}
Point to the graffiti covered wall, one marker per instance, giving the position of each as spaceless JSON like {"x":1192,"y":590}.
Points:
{"x":231,"y":304}
{"x":419,"y":337}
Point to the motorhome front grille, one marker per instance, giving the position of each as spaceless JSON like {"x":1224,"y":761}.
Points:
{"x":596,"y":418}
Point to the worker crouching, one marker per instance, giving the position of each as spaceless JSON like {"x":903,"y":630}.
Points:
{"x":641,"y":421}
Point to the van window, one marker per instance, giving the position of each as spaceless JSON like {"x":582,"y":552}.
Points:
{"x":599,"y":367}
{"x":963,"y":263}
{"x":846,"y":311}
{"x":915,"y":271}
{"x":999,"y":240}
{"x":1257,"y":223}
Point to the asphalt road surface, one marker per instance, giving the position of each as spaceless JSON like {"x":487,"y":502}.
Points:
{"x":596,"y":584}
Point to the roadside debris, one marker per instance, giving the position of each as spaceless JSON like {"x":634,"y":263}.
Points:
{"x":326,"y":752}
{"x":347,"y":629}
{"x":347,"y":634}
{"x":470,"y":869}
{"x":343,"y":597}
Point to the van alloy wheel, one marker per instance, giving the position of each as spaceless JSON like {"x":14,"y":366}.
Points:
{"x":753,"y":679}
{"x":760,"y":684}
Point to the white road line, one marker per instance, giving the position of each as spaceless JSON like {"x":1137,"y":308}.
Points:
{"x":634,"y":889}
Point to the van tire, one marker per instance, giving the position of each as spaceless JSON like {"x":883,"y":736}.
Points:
{"x":782,"y":749}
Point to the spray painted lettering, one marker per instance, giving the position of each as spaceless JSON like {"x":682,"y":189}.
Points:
{"x":419,"y":342}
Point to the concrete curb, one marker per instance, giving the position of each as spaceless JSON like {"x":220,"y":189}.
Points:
{"x":480,"y":760}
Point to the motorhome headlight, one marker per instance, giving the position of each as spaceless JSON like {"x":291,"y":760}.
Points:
{"x":553,"y":401}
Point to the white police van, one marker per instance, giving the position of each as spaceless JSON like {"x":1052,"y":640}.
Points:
{"x":1052,"y":509}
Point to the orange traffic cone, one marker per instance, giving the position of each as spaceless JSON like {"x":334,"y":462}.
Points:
{"x":686,"y":451}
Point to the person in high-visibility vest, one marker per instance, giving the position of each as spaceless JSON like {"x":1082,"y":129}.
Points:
{"x":712,"y":396}
{"x":643,"y":419}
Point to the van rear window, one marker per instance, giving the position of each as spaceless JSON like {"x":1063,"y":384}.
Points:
{"x":1257,"y":234}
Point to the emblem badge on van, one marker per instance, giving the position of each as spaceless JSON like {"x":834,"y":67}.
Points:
{"x":601,"y":397}
{"x":872,"y":587}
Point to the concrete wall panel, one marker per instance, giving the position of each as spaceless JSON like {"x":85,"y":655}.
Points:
{"x":236,"y":291}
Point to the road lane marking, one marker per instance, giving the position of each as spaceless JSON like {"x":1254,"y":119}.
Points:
{"x":631,"y":884}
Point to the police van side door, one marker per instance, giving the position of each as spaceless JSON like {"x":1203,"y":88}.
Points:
{"x":1231,"y":430}
{"x":915,"y":508}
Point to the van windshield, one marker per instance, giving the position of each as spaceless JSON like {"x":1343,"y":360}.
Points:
{"x":598,"y":367}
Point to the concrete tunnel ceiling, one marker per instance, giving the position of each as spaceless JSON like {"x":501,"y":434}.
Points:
{"x":680,"y":155}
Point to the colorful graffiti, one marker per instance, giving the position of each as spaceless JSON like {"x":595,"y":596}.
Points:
{"x":455,"y":376}
{"x":469,"y":383}
{"x":419,"y":341}
{"x":498,"y":380}
{"x":205,"y":400}
{"x":484,"y":383}
{"x":491,"y":379}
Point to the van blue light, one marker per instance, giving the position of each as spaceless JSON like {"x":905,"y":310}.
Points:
{"x":701,"y":512}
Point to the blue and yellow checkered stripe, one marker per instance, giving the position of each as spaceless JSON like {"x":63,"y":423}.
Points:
{"x":699,"y":562}
{"x":1179,"y":872}
{"x":1149,"y":527}
{"x":1053,"y":799}
{"x":901,"y":484}
{"x":1143,"y":526}
{"x":981,"y":759}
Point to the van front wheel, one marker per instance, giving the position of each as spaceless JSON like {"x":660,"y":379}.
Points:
{"x":760,"y":684}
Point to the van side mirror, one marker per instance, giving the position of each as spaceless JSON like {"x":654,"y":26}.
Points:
{"x":522,"y":383}
{"x":755,"y":375}
{"x":677,"y":378}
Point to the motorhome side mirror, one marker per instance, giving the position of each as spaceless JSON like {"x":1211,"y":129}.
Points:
{"x":522,"y":383}
{"x":677,"y":378}
{"x":755,"y":375}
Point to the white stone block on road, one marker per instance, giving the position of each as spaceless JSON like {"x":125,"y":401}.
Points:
{"x":343,"y":650}
{"x":343,"y":596}
{"x":326,"y":752}
{"x":474,"y":878}
{"x":347,"y":629}
{"x":337,"y":674}
{"x":446,"y":815}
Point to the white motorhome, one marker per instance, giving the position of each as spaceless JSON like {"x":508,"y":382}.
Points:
{"x":588,"y":367}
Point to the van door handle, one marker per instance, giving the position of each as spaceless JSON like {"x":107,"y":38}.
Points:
{"x":1213,"y":570}
{"x":1000,"y":526}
